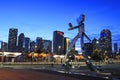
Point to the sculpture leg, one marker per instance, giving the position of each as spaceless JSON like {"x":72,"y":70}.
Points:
{"x":87,"y":37}
{"x":88,"y":62}
{"x":72,"y":43}
{"x":82,"y":43}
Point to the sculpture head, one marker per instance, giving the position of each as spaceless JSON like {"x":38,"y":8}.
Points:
{"x":82,"y":18}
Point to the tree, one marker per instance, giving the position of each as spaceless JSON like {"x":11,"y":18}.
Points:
{"x":71,"y":55}
{"x":97,"y":55}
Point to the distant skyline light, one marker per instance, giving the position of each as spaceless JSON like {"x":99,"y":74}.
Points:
{"x":39,"y":18}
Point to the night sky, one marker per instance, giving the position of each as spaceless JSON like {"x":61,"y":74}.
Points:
{"x":39,"y":18}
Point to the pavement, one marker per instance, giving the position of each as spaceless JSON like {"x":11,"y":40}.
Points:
{"x":56,"y":72}
{"x":22,"y":74}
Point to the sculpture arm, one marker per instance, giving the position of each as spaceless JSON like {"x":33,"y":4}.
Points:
{"x":71,"y":28}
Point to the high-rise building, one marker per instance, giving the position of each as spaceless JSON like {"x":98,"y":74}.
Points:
{"x":89,"y":48}
{"x":39,"y":45}
{"x":12,"y":40}
{"x":66,"y":44}
{"x":26,"y":44}
{"x":58,"y":42}
{"x":4,"y":46}
{"x":119,"y":51}
{"x":96,"y":44}
{"x":32,"y":46}
{"x":47,"y":46}
{"x":20,"y":42}
{"x":106,"y":41}
{"x":115,"y":48}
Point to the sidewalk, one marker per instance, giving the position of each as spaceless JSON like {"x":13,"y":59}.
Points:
{"x":22,"y":74}
{"x":111,"y":70}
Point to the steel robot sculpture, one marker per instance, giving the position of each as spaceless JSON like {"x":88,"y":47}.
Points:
{"x":81,"y":34}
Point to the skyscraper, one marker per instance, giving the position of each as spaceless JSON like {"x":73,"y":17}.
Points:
{"x":119,"y":51}
{"x":66,"y":44}
{"x":20,"y":42}
{"x":106,"y":41}
{"x":58,"y":42}
{"x":96,"y":44}
{"x":39,"y":45}
{"x":26,"y":44}
{"x":32,"y":46}
{"x":4,"y":46}
{"x":12,"y":40}
{"x":89,"y":48}
{"x":115,"y":48}
{"x":47,"y":46}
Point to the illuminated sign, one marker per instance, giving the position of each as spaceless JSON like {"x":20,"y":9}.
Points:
{"x":60,"y":33}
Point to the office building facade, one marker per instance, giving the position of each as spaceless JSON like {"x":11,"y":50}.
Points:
{"x":115,"y":48}
{"x":39,"y":45}
{"x":20,"y":42}
{"x":88,"y":48}
{"x":58,"y":42}
{"x":12,"y":40}
{"x":96,"y":44}
{"x":66,"y":44}
{"x":4,"y":47}
{"x":106,"y":41}
{"x":26,"y":45}
{"x":47,"y":46}
{"x":32,"y":46}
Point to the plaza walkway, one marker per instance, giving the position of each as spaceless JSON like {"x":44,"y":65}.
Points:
{"x":12,"y":71}
{"x":21,"y":74}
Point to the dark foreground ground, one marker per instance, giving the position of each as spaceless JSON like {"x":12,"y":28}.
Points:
{"x":46,"y":72}
{"x":28,"y":74}
{"x":20,"y":74}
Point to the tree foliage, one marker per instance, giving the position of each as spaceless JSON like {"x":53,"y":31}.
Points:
{"x":97,"y":55}
{"x":71,"y":55}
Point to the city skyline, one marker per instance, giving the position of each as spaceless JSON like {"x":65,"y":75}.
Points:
{"x":15,"y":38}
{"x":39,"y":18}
